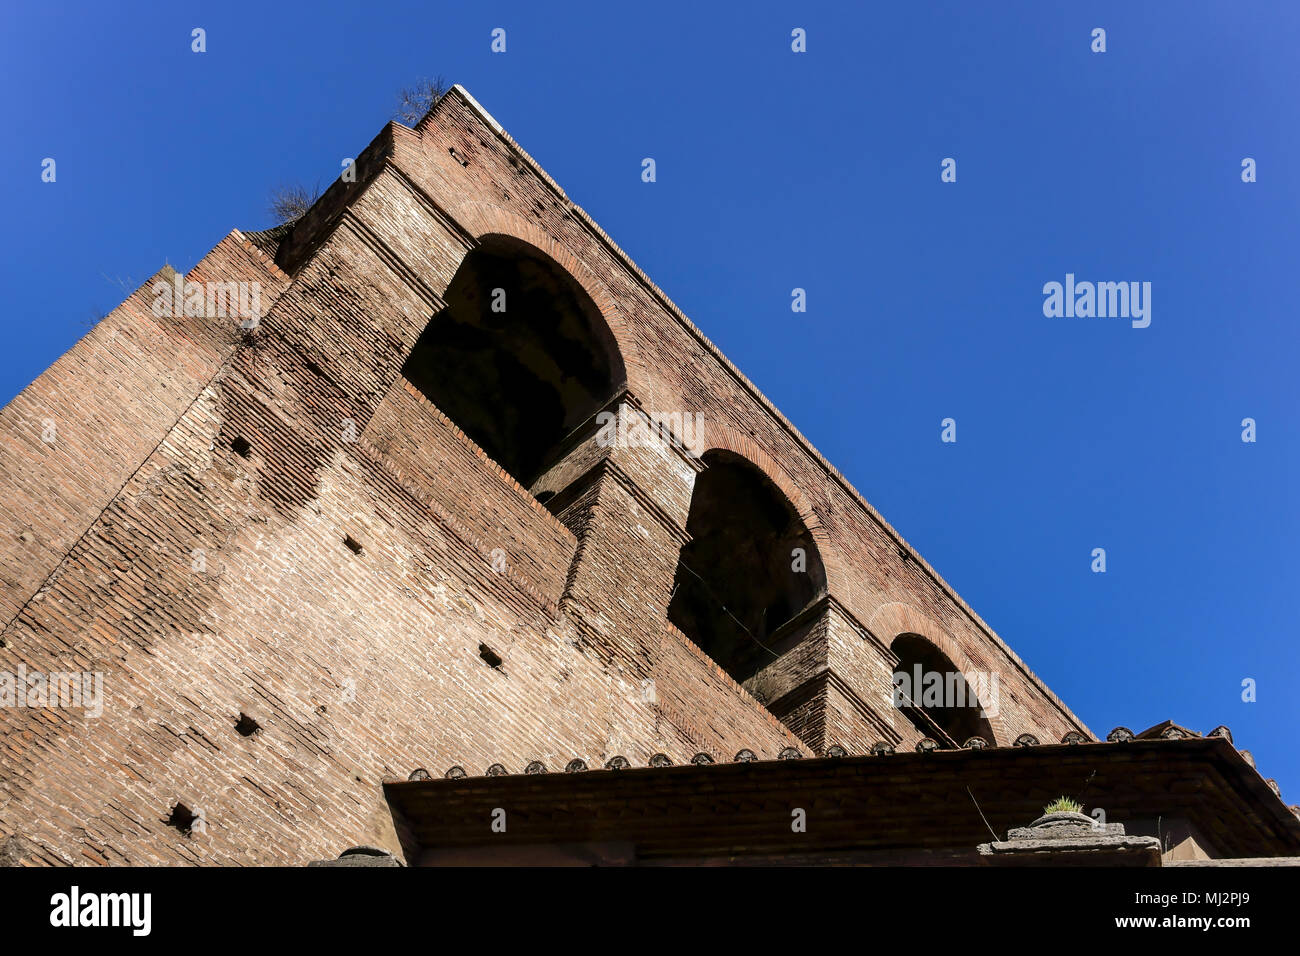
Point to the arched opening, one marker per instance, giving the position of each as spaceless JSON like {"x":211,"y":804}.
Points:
{"x":934,"y":695}
{"x":519,"y":358}
{"x":749,"y":569}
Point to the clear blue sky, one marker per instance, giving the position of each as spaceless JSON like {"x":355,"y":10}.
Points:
{"x":819,"y":170}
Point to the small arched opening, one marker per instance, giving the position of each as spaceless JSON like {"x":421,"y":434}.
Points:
{"x":935,"y":696}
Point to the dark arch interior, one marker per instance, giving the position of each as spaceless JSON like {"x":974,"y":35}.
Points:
{"x":735,"y":584}
{"x":948,"y":723}
{"x":517,"y":381}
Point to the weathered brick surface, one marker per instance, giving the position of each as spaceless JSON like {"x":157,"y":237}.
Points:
{"x":111,"y":398}
{"x":359,"y":666}
{"x":432,"y":457}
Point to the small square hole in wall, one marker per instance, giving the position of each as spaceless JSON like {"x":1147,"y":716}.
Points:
{"x":490,"y":657}
{"x":458,"y":157}
{"x":247,"y":726}
{"x":182,"y":818}
{"x":242,"y":448}
{"x":353,"y":544}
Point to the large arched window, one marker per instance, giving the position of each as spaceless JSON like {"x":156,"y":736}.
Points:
{"x":750,"y":567}
{"x":518,"y":359}
{"x":935,"y":697}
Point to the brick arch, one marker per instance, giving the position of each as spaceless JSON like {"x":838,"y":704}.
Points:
{"x":724,"y":438}
{"x":485,"y":221}
{"x":889,"y":621}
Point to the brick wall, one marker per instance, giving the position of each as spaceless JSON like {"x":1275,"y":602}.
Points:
{"x":110,"y":399}
{"x":351,"y":540}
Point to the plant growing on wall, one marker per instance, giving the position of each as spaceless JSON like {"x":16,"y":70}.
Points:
{"x":287,"y":203}
{"x":414,"y":101}
{"x":1063,"y":805}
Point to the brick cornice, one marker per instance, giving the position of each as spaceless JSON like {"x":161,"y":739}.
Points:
{"x":389,"y":257}
{"x":608,"y":466}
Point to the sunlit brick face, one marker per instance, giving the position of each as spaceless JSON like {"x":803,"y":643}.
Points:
{"x":519,"y":358}
{"x":749,"y":568}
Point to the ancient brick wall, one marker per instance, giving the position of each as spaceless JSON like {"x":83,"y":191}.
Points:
{"x":276,"y":524}
{"x":110,"y":399}
{"x":871,"y":566}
